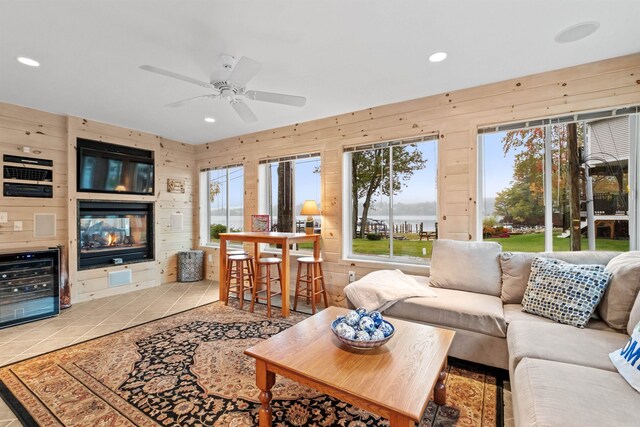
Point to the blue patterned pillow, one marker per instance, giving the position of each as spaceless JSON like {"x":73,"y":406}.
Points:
{"x":564,"y":292}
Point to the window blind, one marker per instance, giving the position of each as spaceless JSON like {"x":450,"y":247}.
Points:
{"x":216,"y":168}
{"x":562,"y":119}
{"x":288,"y":158}
{"x":393,"y":143}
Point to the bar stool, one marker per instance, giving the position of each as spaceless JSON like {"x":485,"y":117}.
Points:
{"x":311,"y":280}
{"x":238,"y":252}
{"x":240,"y":269}
{"x":266,"y":279}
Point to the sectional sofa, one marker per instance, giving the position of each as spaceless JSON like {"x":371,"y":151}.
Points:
{"x":560,"y":375}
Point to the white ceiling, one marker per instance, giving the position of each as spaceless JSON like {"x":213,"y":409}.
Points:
{"x":343,"y":55}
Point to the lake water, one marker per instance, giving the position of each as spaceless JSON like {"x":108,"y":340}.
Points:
{"x":428,"y":221}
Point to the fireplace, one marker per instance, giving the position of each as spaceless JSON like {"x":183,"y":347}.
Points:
{"x":112,"y":233}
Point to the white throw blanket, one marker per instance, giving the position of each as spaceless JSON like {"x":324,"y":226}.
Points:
{"x":379,"y":290}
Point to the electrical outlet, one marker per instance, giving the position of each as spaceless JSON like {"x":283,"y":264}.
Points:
{"x":17,"y":225}
{"x":210,"y":258}
{"x":4,"y":217}
{"x":352,"y":276}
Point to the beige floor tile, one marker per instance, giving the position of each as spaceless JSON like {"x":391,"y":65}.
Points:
{"x":148,"y":316}
{"x":17,"y":347}
{"x":74,"y":331}
{"x":50,"y":345}
{"x":104,"y":330}
{"x":119,"y":318}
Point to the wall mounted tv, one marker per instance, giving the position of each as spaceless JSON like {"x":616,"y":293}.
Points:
{"x":110,"y":168}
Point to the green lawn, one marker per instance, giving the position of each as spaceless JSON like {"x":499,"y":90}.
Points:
{"x":412,"y":248}
{"x":535,"y":243}
{"x":517,"y":243}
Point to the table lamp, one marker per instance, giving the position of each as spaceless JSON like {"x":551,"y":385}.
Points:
{"x":309,"y":208}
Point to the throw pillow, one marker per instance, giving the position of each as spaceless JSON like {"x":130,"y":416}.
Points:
{"x":516,"y":268}
{"x":466,"y":266}
{"x":564,"y":292}
{"x":622,"y":291}
{"x":627,"y":359}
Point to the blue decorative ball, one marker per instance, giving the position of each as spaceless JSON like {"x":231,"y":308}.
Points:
{"x":376,"y":317}
{"x":386,"y":329}
{"x":362,"y":311}
{"x":340,"y":318}
{"x":366,"y":324}
{"x":377,"y":335}
{"x":352,"y":318}
{"x":362,"y":336}
{"x":345,"y":331}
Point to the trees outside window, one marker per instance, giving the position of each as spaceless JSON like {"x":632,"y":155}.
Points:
{"x":224,"y":193}
{"x":288,"y":183}
{"x":561,"y":186}
{"x":392,"y":200}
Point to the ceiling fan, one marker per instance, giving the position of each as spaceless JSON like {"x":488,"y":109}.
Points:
{"x":230,"y":85}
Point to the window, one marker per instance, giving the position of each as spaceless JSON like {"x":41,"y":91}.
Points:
{"x":223,"y":196}
{"x":564,"y":184}
{"x":288,"y":182}
{"x":390,"y":200}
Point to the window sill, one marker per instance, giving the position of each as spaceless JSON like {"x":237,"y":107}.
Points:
{"x":387,"y":264}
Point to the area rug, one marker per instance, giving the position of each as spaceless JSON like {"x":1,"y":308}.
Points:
{"x":189,"y":370}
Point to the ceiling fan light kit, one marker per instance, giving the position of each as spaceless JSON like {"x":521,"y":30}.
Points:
{"x":233,"y":87}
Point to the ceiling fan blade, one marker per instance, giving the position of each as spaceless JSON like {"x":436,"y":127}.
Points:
{"x":244,"y":111}
{"x":188,"y":100}
{"x":278,"y":98}
{"x":245,"y":70}
{"x":173,"y":75}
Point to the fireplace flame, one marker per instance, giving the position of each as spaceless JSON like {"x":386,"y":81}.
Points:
{"x":112,"y":239}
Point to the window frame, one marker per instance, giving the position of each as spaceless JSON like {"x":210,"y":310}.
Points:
{"x":205,"y":228}
{"x":347,"y":232}
{"x":265,"y":194}
{"x":634,"y":167}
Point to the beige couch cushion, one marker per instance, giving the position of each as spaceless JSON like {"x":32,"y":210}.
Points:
{"x":516,"y":268}
{"x":466,"y":266}
{"x":455,"y":309}
{"x":634,"y":316}
{"x":621,"y":293}
{"x":513,"y":312}
{"x":562,"y":343}
{"x":547,"y":393}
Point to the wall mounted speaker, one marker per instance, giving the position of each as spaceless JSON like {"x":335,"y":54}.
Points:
{"x":44,"y":225}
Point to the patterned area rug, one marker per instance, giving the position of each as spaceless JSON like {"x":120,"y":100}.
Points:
{"x":189,"y":370}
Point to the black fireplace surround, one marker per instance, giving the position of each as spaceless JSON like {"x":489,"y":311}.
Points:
{"x":114,"y":233}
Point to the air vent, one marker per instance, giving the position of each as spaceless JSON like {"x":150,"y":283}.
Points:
{"x":119,"y":278}
{"x":28,"y":174}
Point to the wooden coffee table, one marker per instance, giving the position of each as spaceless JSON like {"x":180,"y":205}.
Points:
{"x":394,"y":381}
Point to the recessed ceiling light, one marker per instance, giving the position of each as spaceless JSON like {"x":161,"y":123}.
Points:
{"x":438,"y":56}
{"x":209,"y":119}
{"x":577,"y":32}
{"x":28,"y":61}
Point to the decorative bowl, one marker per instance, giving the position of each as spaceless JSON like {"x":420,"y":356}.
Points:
{"x":362,"y":345}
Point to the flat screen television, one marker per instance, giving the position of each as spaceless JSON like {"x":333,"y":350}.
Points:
{"x":111,"y":168}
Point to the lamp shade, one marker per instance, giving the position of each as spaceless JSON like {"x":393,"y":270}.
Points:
{"x":310,"y":207}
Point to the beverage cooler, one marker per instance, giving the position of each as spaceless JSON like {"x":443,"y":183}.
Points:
{"x":29,"y":285}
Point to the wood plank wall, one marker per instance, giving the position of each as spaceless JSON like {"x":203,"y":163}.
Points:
{"x":54,"y":137}
{"x":455,"y":116}
{"x":46,"y":136}
{"x":173,"y":159}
